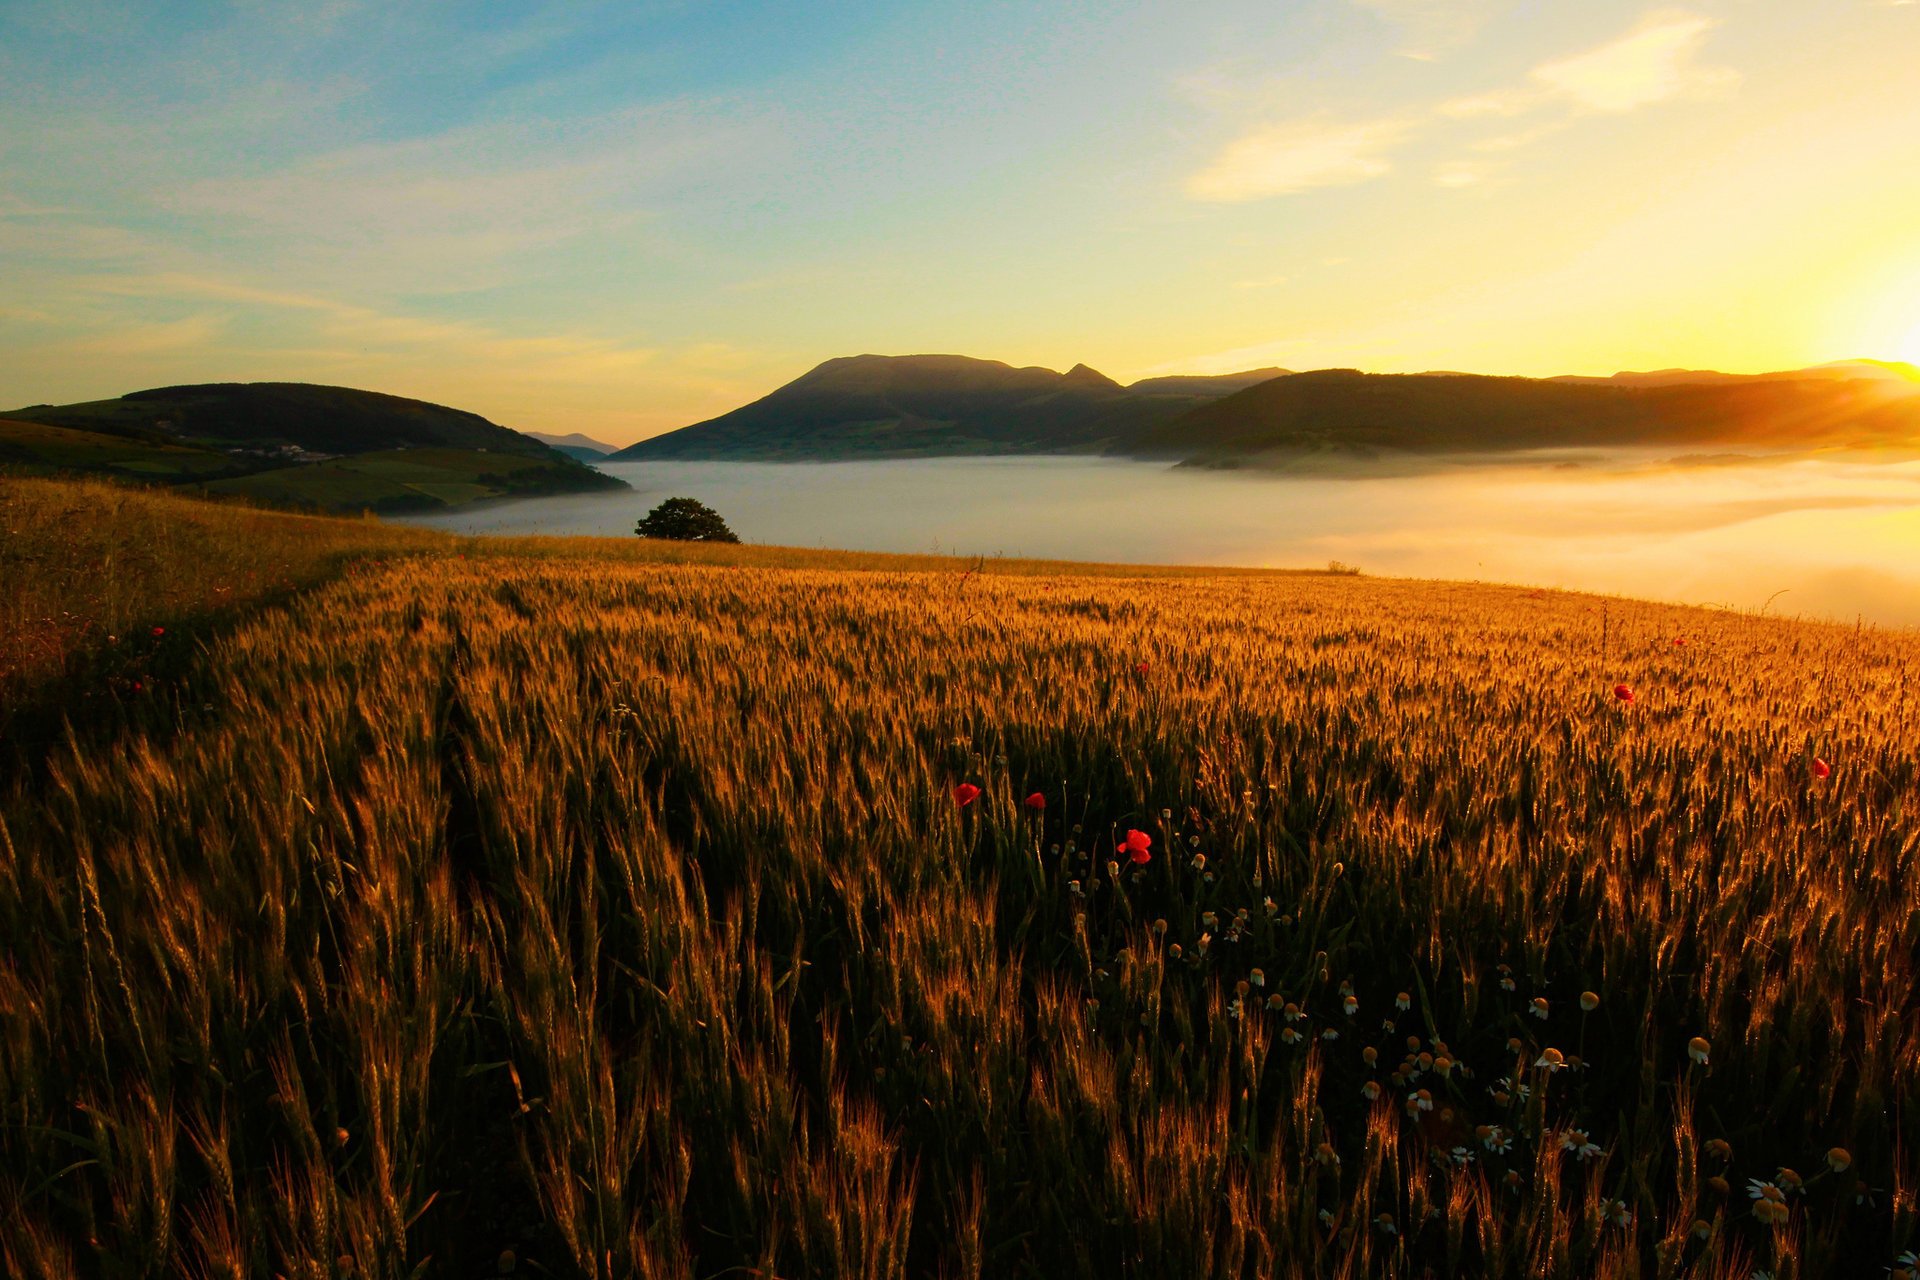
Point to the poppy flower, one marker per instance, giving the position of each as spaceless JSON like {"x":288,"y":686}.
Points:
{"x":965,"y":794}
{"x":1137,"y":846}
{"x":1623,"y":692}
{"x":1679,"y":642}
{"x":1821,"y":769}
{"x":1035,"y":801}
{"x":1140,"y":668}
{"x":159,"y":631}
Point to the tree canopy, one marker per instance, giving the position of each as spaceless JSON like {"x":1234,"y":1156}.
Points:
{"x":685,"y":520}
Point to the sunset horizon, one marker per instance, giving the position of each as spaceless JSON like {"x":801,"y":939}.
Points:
{"x":620,"y":225}
{"x":985,"y":640}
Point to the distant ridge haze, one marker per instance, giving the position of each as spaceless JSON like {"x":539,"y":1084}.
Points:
{"x":876,"y":406}
{"x":1344,"y":413}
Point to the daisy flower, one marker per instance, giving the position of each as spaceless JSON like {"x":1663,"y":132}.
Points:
{"x":1580,"y":1145}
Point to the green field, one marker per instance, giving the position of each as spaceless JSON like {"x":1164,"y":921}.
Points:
{"x":591,"y":909}
{"x":36,"y":447}
{"x":394,"y":480}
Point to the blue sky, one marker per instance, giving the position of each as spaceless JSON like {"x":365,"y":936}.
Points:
{"x":623,"y":218}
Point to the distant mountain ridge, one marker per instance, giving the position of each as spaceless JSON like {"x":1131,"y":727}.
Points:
{"x":583,"y":448}
{"x":1840,"y":370}
{"x":873,"y":406}
{"x":1343,"y":412}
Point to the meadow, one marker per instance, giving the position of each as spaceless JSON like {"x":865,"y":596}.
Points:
{"x":578,"y":908}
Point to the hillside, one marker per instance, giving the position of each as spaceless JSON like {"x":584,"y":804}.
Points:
{"x":1345,"y":413}
{"x":578,"y":446}
{"x":325,"y":448}
{"x":479,"y":908}
{"x":912,"y":406}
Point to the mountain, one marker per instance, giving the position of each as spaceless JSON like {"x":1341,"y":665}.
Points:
{"x":1344,"y":412}
{"x":579,"y":447}
{"x":873,"y":406}
{"x":290,"y":443}
{"x":1211,"y":386}
{"x":1872,"y":370}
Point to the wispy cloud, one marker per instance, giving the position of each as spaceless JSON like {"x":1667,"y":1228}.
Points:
{"x":186,"y":334}
{"x":1657,"y":61}
{"x":1461,"y":173}
{"x":546,"y":357}
{"x":1298,"y":156}
{"x":452,"y":211}
{"x":1429,"y":28}
{"x":1654,"y":62}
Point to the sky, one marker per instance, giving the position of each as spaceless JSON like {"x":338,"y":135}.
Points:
{"x":619,"y":219}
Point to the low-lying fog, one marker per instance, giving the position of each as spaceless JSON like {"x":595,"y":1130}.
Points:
{"x":1821,"y":537}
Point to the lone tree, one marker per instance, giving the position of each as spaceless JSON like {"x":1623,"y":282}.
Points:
{"x":684,"y":520}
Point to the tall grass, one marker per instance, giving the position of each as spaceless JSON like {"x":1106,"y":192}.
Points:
{"x":596,"y":918}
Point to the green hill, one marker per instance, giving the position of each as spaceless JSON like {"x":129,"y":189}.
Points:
{"x":286,"y":443}
{"x":872,"y":406}
{"x":1344,"y":412}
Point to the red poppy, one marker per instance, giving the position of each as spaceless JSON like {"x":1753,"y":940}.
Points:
{"x":1035,"y":801}
{"x":1136,"y":847}
{"x":1140,"y":668}
{"x":1624,"y":692}
{"x":1680,"y":641}
{"x":1821,"y":769}
{"x":159,"y":631}
{"x":965,"y":794}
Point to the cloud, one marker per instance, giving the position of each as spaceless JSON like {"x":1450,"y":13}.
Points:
{"x":1432,"y":27}
{"x":1496,"y":102}
{"x":348,"y":326}
{"x":1461,"y":173}
{"x":1656,"y":61}
{"x":469,"y":208}
{"x":185,"y":334}
{"x":1298,"y":156}
{"x":1652,"y":63}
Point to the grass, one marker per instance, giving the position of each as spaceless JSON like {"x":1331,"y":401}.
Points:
{"x":39,"y":447}
{"x":93,"y":567}
{"x":611,"y":906}
{"x":398,"y":480}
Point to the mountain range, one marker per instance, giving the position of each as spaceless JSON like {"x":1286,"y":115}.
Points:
{"x":873,"y":406}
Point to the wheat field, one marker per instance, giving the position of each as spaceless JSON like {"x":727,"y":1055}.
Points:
{"x":519,"y":909}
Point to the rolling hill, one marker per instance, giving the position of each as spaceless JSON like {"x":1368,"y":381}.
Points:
{"x":1346,"y":413}
{"x":873,"y":406}
{"x":285,"y":443}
